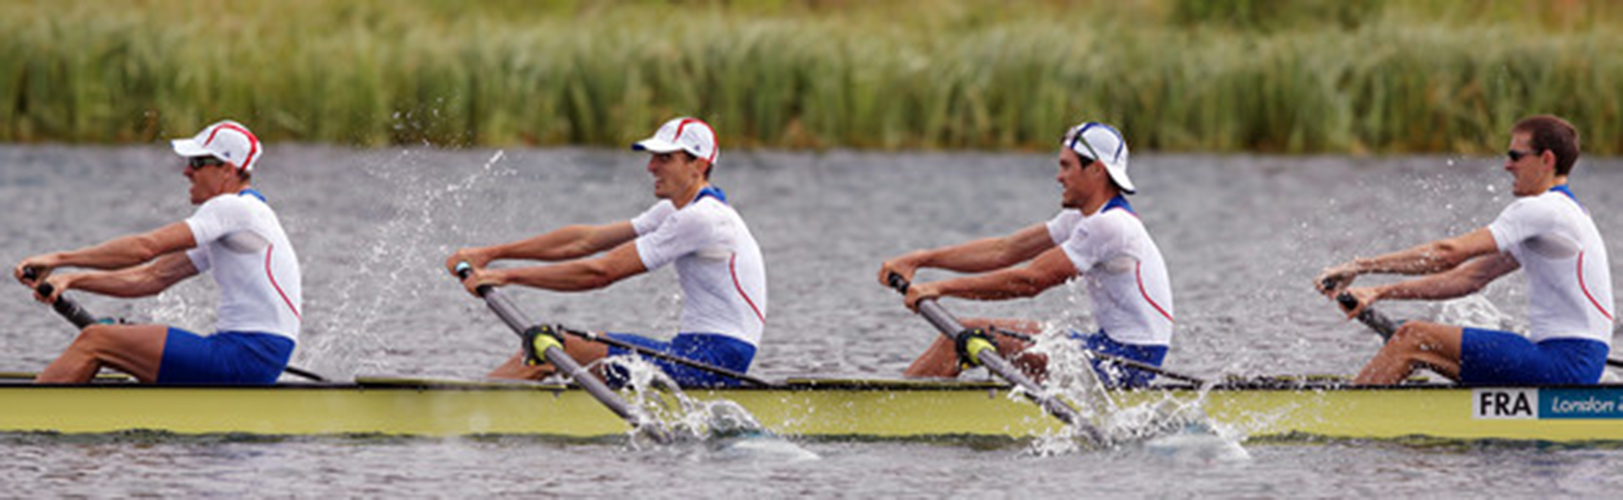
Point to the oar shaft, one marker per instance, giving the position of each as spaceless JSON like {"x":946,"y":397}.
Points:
{"x":68,"y":308}
{"x":939,"y":317}
{"x":516,"y":321}
{"x":1371,"y":318}
{"x":949,"y":326}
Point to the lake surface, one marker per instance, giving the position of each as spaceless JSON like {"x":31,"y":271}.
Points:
{"x":1243,"y":238}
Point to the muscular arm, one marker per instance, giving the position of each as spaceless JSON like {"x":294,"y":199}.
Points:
{"x":138,"y":281}
{"x":977,"y":256}
{"x":1050,"y":268}
{"x":566,"y":243}
{"x":1458,"y":282}
{"x":1430,"y":258}
{"x":586,"y":274}
{"x":119,"y":253}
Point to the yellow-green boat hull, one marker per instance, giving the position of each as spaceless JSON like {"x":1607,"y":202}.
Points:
{"x":871,"y":409}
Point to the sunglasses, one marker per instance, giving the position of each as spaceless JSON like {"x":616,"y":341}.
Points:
{"x":1516,"y":156}
{"x":196,"y":162}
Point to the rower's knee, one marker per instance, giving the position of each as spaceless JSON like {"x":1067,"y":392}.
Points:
{"x":1416,"y":335}
{"x":94,"y":338}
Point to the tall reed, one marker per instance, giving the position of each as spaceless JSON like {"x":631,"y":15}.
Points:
{"x":1176,"y":75}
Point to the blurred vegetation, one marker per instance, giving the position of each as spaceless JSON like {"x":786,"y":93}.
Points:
{"x":1304,"y":76}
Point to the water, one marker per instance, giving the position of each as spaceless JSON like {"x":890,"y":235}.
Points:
{"x":1243,"y":237}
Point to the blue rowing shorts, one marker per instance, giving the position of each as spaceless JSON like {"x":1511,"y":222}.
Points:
{"x":247,"y":358}
{"x":712,"y":349}
{"x":1113,"y":375}
{"x":1491,"y":357}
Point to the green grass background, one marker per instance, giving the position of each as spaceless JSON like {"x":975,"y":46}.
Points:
{"x":1273,"y":76}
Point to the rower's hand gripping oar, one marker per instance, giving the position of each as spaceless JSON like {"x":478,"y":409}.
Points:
{"x":545,"y":342}
{"x":81,"y":318}
{"x":64,"y":306}
{"x":976,"y":348}
{"x":1371,"y":318}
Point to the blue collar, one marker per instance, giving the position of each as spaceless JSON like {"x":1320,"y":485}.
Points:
{"x":713,"y":192}
{"x":251,"y":192}
{"x":1118,"y":202}
{"x":1563,"y":189}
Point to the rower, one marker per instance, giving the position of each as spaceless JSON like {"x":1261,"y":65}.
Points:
{"x":1096,"y":235}
{"x":1548,"y":232}
{"x":233,"y":232}
{"x":718,"y":265}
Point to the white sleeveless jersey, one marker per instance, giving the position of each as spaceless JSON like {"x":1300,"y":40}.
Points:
{"x":1568,"y":275}
{"x":1125,"y":276}
{"x":240,"y":239}
{"x":718,"y":264}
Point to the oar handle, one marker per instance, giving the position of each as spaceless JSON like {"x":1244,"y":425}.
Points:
{"x":1371,"y":318}
{"x":929,"y":308}
{"x":64,"y":306}
{"x":463,"y":270}
{"x":898,"y":282}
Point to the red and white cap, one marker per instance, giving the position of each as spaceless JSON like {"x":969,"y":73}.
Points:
{"x":227,"y":140}
{"x":682,"y":134}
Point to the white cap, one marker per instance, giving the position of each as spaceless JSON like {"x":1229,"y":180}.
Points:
{"x":227,"y":140}
{"x":1102,"y":142}
{"x":682,"y":134}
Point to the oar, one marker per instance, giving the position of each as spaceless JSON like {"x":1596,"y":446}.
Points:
{"x":666,"y":356}
{"x":81,"y":318}
{"x":1385,"y":326}
{"x":544,"y":341}
{"x":1371,"y":318}
{"x":1111,"y":358}
{"x":64,"y":306}
{"x":981,"y":351}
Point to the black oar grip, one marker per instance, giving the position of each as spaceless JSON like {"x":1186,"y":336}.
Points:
{"x":463,"y":270}
{"x":1376,"y":321}
{"x":898,"y":282}
{"x":1347,"y":301}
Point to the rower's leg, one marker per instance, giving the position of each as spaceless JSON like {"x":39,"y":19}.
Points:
{"x":1417,"y":344}
{"x":515,"y":369}
{"x":585,"y":352}
{"x":940,"y":360}
{"x":133,"y":349}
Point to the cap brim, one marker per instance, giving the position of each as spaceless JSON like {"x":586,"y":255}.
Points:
{"x":189,"y":148}
{"x":1119,"y":174}
{"x":656,"y":145}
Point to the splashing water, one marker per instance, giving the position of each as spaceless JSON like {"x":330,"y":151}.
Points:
{"x":720,"y":427}
{"x":415,"y":234}
{"x":1170,"y":426}
{"x":1475,"y":310}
